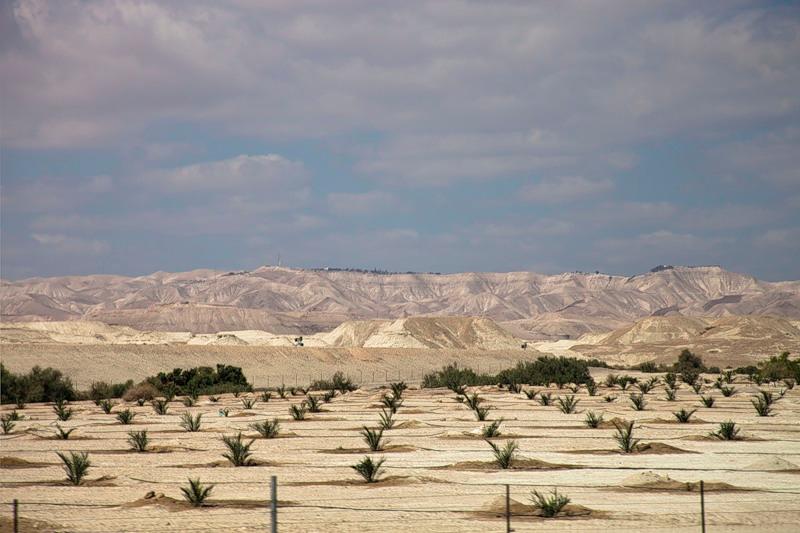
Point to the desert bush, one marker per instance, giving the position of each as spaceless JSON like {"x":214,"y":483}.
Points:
{"x":649,"y":367}
{"x":161,"y":407}
{"x":386,"y":419}
{"x":707,"y":401}
{"x":7,"y":424}
{"x":169,"y":392}
{"x":593,"y":420}
{"x":671,"y":380}
{"x":790,"y":383}
{"x":683,"y":415}
{"x":106,"y":406}
{"x":281,"y":391}
{"x":455,"y":378}
{"x":697,"y":387}
{"x":313,"y":404}
{"x":670,"y":394}
{"x":191,"y":423}
{"x":38,"y":385}
{"x":645,"y":387}
{"x":63,"y":412}
{"x":626,"y":381}
{"x":549,"y":505}
{"x":63,"y":434}
{"x":15,"y":416}
{"x":491,"y":430}
{"x":591,"y":388}
{"x":638,"y":402}
{"x":125,"y":416}
{"x":100,"y":390}
{"x":268,"y":428}
{"x":687,"y":361}
{"x":767,"y":396}
{"x":373,"y":438}
{"x":298,"y":412}
{"x":238,"y":453}
{"x":609,"y":398}
{"x":369,"y":469}
{"x":727,"y":391}
{"x":138,"y":440}
{"x":196,"y":493}
{"x":762,"y":407}
{"x":213,"y":399}
{"x":530,"y":394}
{"x":624,"y":437}
{"x":188,"y":401}
{"x":546,"y":370}
{"x":779,"y":367}
{"x":329,"y":396}
{"x":76,"y":465}
{"x":338,"y":382}
{"x":201,"y":380}
{"x":248,"y":403}
{"x":504,"y":457}
{"x":545,"y":398}
{"x":266,"y":396}
{"x":567,"y":404}
{"x":143,"y":391}
{"x":611,"y":380}
{"x":727,"y":431}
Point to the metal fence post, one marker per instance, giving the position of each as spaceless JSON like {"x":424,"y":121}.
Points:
{"x":16,"y":515}
{"x":702,"y":507}
{"x":273,"y":508}
{"x":508,"y":509}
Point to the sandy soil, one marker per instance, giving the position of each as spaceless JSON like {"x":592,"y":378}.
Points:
{"x":754,"y":483}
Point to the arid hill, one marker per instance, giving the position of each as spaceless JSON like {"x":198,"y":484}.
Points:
{"x":290,"y":301}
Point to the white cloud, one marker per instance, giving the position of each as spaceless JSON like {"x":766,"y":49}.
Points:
{"x":564,"y":189}
{"x":365,"y":203}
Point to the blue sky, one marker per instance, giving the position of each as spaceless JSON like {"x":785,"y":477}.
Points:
{"x":429,"y":136}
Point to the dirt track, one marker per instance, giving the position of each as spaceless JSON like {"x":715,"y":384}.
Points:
{"x":436,"y":478}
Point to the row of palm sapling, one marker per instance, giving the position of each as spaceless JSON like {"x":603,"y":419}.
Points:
{"x":369,"y":468}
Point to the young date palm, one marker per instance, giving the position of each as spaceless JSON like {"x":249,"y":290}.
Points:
{"x":387,"y":420}
{"x":398,"y":388}
{"x":683,"y":415}
{"x":7,"y":423}
{"x":76,"y":465}
{"x":473,"y":400}
{"x":549,"y":505}
{"x":125,"y":416}
{"x":248,"y":403}
{"x":727,"y":391}
{"x":624,"y":437}
{"x":63,"y":412}
{"x":106,"y":406}
{"x":591,"y":388}
{"x":188,"y":401}
{"x":593,"y":420}
{"x":298,"y":412}
{"x":138,"y":440}
{"x":708,"y":401}
{"x":267,"y":429}
{"x":63,"y":434}
{"x":191,"y":423}
{"x":313,"y":404}
{"x":491,"y":430}
{"x":670,"y":394}
{"x":369,"y":469}
{"x":638,"y":402}
{"x":727,"y":431}
{"x":373,"y":438}
{"x":530,"y":394}
{"x":504,"y":457}
{"x":567,"y":404}
{"x":329,"y":396}
{"x":545,"y":398}
{"x":196,"y":493}
{"x":239,"y":453}
{"x":762,"y":407}
{"x":160,"y":406}
{"x":481,"y":413}
{"x":266,"y":396}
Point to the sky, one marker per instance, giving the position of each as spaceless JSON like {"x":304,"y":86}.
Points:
{"x":442,"y":135}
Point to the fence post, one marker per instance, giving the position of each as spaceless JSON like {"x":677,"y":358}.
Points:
{"x":702,"y":507}
{"x":16,"y":515}
{"x":273,"y":508}
{"x":508,"y":509}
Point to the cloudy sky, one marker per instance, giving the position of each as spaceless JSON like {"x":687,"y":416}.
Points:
{"x":430,"y":136}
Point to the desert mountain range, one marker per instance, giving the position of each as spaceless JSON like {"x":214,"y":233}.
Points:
{"x":305,"y":302}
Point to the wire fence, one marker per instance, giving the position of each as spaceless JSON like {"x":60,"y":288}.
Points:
{"x":474,"y":506}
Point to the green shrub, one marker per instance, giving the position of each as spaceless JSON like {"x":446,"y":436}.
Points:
{"x":546,"y":370}
{"x":549,"y":505}
{"x":268,"y":428}
{"x":504,"y":457}
{"x":38,"y":385}
{"x":780,"y":367}
{"x":671,"y":380}
{"x":201,"y":380}
{"x":369,"y":469}
{"x":196,"y":493}
{"x":238,"y":453}
{"x":76,"y":465}
{"x":453,"y":378}
{"x":138,"y":440}
{"x":338,"y":382}
{"x":647,"y":367}
{"x":100,"y":390}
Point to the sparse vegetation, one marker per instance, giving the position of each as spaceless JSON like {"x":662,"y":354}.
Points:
{"x":549,"y":504}
{"x":624,"y":437}
{"x":268,"y":428}
{"x":196,"y":493}
{"x":143,"y":392}
{"x":138,"y":440}
{"x":76,"y":465}
{"x":369,"y":469}
{"x":504,"y":457}
{"x":338,"y":382}
{"x":191,"y":423}
{"x":238,"y":453}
